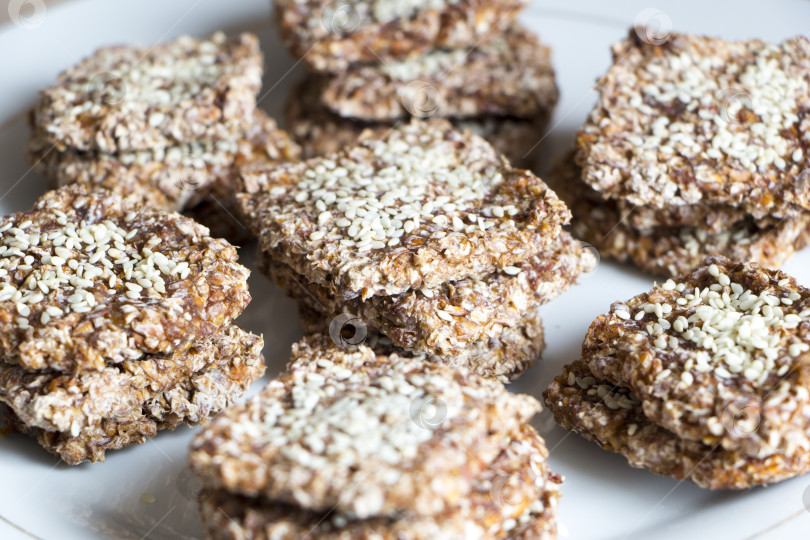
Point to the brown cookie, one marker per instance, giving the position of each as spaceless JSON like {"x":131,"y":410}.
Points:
{"x":702,"y":121}
{"x":672,"y":251}
{"x":361,"y":434}
{"x":88,"y":279}
{"x":516,"y":492}
{"x":79,"y":419}
{"x":421,"y":206}
{"x":613,"y":418}
{"x":320,"y":132}
{"x":508,"y":75}
{"x":505,"y":357}
{"x":125,"y":98}
{"x":445,"y":320}
{"x":331,"y":36}
{"x":720,"y":356}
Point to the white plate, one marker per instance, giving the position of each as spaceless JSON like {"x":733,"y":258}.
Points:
{"x":603,"y":497}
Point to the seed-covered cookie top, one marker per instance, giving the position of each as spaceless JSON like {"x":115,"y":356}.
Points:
{"x":422,"y":205}
{"x":720,"y":355}
{"x":88,"y":278}
{"x":361,"y":434}
{"x":702,"y":120}
{"x":138,"y":98}
{"x":509,"y":75}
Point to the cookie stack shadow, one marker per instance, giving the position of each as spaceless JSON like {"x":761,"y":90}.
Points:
{"x":367,"y":71}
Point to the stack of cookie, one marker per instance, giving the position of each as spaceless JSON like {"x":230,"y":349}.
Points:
{"x":166,"y":123}
{"x":697,"y":147}
{"x":375,"y":65}
{"x":704,"y":378}
{"x":425,"y":235}
{"x":348,"y":444}
{"x":116,"y":321}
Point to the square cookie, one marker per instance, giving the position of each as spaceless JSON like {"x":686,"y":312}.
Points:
{"x":321,"y":132}
{"x":504,"y":357}
{"x":508,"y":75}
{"x":672,"y":251}
{"x":613,"y":417}
{"x":89,"y":279}
{"x":170,"y":178}
{"x":423,"y":205}
{"x":445,"y":320}
{"x":718,"y":356}
{"x":361,"y":434}
{"x":331,"y":36}
{"x":513,"y":498}
{"x":699,"y":120}
{"x":127,"y":98}
{"x":80,"y":418}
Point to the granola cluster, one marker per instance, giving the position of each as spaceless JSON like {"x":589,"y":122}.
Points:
{"x":500,"y":84}
{"x":423,"y":451}
{"x":703,"y":378}
{"x":115,"y":318}
{"x":169,"y":124}
{"x":696,"y":147}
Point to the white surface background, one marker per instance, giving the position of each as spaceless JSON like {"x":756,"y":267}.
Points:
{"x":603,"y":497}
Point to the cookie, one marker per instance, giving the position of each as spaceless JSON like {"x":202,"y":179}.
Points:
{"x":166,"y":178}
{"x":612,"y":417}
{"x":506,"y":497}
{"x":125,"y":99}
{"x":89,"y":279}
{"x":361,"y":434}
{"x":508,"y":75}
{"x":672,"y":251}
{"x":421,"y":206}
{"x":702,"y":121}
{"x":81,"y":418}
{"x":445,"y":320}
{"x":321,"y":132}
{"x":331,"y":36}
{"x":505,"y":357}
{"x":71,"y":403}
{"x":720,"y":356}
{"x":172,"y":178}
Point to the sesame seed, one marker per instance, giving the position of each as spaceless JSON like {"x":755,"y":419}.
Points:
{"x":622,"y":314}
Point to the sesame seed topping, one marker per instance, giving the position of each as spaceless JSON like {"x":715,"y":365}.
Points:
{"x":415,"y":186}
{"x":738,"y":330}
{"x":68,"y":262}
